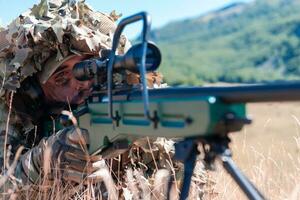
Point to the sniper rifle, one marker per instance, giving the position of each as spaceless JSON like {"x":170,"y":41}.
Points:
{"x":118,"y":114}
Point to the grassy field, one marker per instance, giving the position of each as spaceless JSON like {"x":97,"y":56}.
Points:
{"x":268,"y":152}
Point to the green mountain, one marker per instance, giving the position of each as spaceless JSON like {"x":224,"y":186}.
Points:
{"x":254,"y":42}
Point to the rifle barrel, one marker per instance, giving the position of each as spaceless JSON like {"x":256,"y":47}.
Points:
{"x":229,"y":94}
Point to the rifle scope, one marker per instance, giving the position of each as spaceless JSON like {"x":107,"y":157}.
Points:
{"x":87,"y":69}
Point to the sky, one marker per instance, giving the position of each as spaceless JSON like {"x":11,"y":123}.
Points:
{"x":161,"y":11}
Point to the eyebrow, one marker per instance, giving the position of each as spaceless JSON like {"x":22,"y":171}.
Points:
{"x":60,"y":69}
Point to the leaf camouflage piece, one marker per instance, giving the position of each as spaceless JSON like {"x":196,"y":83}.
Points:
{"x":44,"y":36}
{"x":53,"y":28}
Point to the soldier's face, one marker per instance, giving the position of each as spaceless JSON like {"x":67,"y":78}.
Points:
{"x":62,"y":86}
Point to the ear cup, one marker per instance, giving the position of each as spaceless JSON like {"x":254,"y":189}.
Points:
{"x":29,"y":99}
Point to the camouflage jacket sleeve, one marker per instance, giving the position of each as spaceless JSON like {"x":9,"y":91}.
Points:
{"x":13,"y":176}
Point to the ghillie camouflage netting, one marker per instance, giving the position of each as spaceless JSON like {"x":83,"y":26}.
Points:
{"x":44,"y":36}
{"x":53,"y":29}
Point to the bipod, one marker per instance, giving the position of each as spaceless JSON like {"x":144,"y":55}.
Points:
{"x":214,"y":147}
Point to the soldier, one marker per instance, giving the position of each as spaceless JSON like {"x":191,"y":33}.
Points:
{"x":37,"y":54}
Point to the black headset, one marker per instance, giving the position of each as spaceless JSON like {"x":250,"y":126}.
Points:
{"x":29,"y":100}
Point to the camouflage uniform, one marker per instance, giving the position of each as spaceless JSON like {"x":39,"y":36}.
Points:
{"x":35,"y":45}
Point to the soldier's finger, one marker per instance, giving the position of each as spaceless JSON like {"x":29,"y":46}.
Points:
{"x":83,"y":178}
{"x":84,"y":167}
{"x":77,"y":154}
{"x":79,"y":166}
{"x":73,"y":175}
{"x":78,"y":136}
{"x":81,"y":156}
{"x":96,"y":158}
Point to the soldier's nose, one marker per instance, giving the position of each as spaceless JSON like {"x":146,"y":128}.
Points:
{"x":84,"y":84}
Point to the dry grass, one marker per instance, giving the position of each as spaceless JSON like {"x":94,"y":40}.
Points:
{"x":268,"y":152}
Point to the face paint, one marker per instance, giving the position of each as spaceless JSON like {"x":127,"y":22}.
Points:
{"x":62,"y":86}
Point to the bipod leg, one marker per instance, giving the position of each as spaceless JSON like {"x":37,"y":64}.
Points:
{"x":244,"y":183}
{"x":219,"y":148}
{"x":186,"y":151}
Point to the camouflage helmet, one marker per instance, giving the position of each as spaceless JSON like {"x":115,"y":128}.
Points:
{"x":48,"y":34}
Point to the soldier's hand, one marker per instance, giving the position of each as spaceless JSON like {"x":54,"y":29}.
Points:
{"x":64,"y":155}
{"x":69,"y":152}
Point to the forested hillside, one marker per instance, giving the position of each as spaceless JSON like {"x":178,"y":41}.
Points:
{"x":254,"y":42}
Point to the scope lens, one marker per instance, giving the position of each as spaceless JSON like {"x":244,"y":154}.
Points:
{"x":83,"y":70}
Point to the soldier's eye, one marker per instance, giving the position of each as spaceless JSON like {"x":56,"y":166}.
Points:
{"x":62,"y":79}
